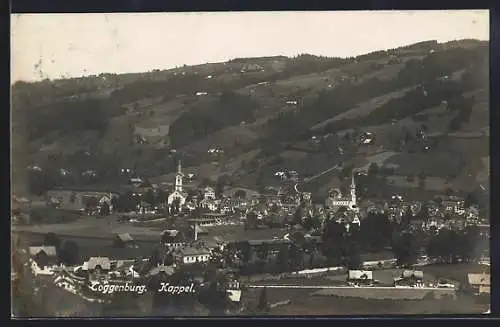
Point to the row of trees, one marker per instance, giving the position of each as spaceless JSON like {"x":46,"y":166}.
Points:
{"x":377,"y":233}
{"x":68,"y":252}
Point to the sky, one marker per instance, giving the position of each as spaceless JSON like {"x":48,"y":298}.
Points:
{"x":72,"y":45}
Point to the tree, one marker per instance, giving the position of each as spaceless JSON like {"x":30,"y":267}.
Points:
{"x":283,"y":258}
{"x":245,"y":250}
{"x":352,"y":256}
{"x":421,"y":184}
{"x":311,"y":223}
{"x":155,"y":258}
{"x":263,"y":252}
{"x":296,"y":256}
{"x":251,"y":220}
{"x":470,"y":200}
{"x":70,"y":253}
{"x":150,"y":197}
{"x":404,"y":248}
{"x":52,"y":239}
{"x":104,"y":209}
{"x":263,"y":305}
{"x":375,"y":232}
{"x":161,"y":196}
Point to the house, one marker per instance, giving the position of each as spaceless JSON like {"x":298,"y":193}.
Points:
{"x":209,"y":193}
{"x":190,"y":255}
{"x":145,"y":208}
{"x":472,"y":213}
{"x":209,"y":204}
{"x":136,"y":182}
{"x":125,"y":241}
{"x":357,"y":277}
{"x":78,"y":199}
{"x":173,"y":238}
{"x":97,"y":267}
{"x":435,"y":222}
{"x":417,"y":224}
{"x":410,"y":278}
{"x":43,"y":256}
{"x":161,"y":270}
{"x":479,"y":283}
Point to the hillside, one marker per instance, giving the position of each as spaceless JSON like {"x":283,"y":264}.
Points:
{"x":265,"y":113}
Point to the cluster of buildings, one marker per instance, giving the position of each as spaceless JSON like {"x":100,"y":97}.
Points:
{"x":443,"y":212}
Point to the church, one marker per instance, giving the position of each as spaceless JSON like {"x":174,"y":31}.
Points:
{"x":178,"y":192}
{"x":339,"y":201}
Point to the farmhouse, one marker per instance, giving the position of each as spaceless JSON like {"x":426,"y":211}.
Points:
{"x":173,"y":238}
{"x":209,"y":204}
{"x":79,"y":200}
{"x":479,"y":283}
{"x":161,"y":270}
{"x":190,"y":255}
{"x":43,"y":256}
{"x":357,"y":277}
{"x":209,"y":193}
{"x":125,"y":241}
{"x":97,"y":267}
{"x":410,"y":278}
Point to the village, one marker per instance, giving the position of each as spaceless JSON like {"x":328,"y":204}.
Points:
{"x":241,"y":233}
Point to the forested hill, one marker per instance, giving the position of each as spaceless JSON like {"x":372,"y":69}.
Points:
{"x":247,"y":104}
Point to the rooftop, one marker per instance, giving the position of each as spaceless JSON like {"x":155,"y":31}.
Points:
{"x":49,"y":250}
{"x":125,"y":237}
{"x":479,"y":279}
{"x":169,"y":270}
{"x":94,"y":262}
{"x":193,"y":251}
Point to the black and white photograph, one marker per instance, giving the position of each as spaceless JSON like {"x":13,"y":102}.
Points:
{"x":285,"y":163}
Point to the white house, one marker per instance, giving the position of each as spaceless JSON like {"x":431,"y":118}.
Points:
{"x":209,"y":204}
{"x":356,"y":277}
{"x":192,"y":255}
{"x":209,"y":193}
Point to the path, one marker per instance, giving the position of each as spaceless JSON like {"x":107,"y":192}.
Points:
{"x":309,"y":179}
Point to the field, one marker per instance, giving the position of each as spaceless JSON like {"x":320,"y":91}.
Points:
{"x":456,"y":272}
{"x":92,"y":227}
{"x":302,"y":302}
{"x":440,"y":164}
{"x":395,"y":294}
{"x":364,"y":108}
{"x":379,"y":159}
{"x":238,"y":233}
{"x":357,"y":301}
{"x":431,"y":183}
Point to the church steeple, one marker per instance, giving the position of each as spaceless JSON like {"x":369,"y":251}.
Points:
{"x":353,"y":189}
{"x":178,"y":178}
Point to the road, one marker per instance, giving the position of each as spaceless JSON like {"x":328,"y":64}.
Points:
{"x":307,"y":180}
